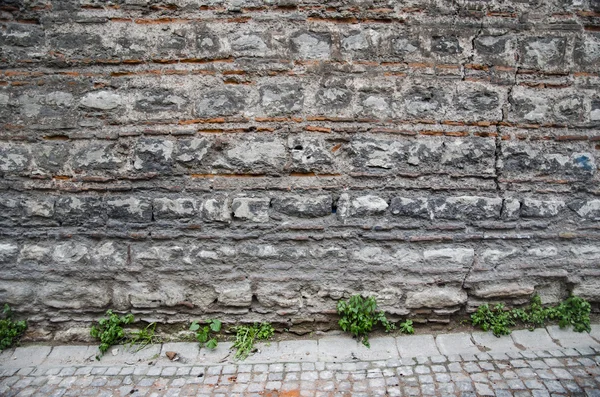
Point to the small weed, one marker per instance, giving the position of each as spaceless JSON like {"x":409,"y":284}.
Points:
{"x":143,"y":337}
{"x":498,"y":319}
{"x":246,"y":335}
{"x":359,"y":315}
{"x":110,"y":330}
{"x":204,"y":334}
{"x":574,"y":311}
{"x":407,"y":327}
{"x":10,"y":331}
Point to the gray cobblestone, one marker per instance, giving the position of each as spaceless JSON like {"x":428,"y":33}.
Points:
{"x":477,"y":375}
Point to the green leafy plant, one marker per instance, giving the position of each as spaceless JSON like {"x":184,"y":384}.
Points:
{"x":144,"y":337}
{"x":10,"y":331}
{"x":407,"y":327}
{"x":533,"y":316}
{"x":204,"y":334}
{"x":574,"y":311}
{"x":498,"y":320}
{"x":359,"y":315}
{"x":246,"y":335}
{"x":109,"y":330}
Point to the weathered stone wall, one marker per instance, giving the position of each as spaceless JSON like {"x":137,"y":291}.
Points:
{"x":261,"y":159}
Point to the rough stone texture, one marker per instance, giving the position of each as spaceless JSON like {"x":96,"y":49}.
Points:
{"x":261,"y":160}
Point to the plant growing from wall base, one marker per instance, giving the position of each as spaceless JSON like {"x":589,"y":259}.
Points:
{"x":574,"y":311}
{"x":204,"y":334}
{"x":246,"y":335}
{"x":10,"y":331}
{"x":498,"y":319}
{"x":143,"y":337}
{"x":406,"y":327}
{"x":110,"y":330}
{"x":359,"y":315}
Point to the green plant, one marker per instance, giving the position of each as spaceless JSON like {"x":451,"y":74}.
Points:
{"x":246,"y":335}
{"x":110,"y":330}
{"x":143,"y":337}
{"x":498,"y":319}
{"x":203,"y":334}
{"x":573,"y":311}
{"x":359,"y":315}
{"x":406,"y":327}
{"x":10,"y":331}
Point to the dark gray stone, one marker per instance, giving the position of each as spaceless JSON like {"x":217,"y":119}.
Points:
{"x":176,"y":208}
{"x":311,"y":45}
{"x":411,"y":207}
{"x":466,"y":207}
{"x":251,"y":209}
{"x":220,"y":102}
{"x":75,"y":210}
{"x":22,"y":35}
{"x":153,"y":154}
{"x":97,"y":156}
{"x":303,"y":206}
{"x":424,"y":101}
{"x":281,"y":99}
{"x":445,"y":45}
{"x":129,"y":209}
{"x":332,"y":99}
{"x":543,"y":52}
{"x":160,"y":100}
{"x":541,"y":208}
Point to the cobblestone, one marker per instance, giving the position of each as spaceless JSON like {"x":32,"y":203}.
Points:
{"x":479,"y":377}
{"x":556,"y":372}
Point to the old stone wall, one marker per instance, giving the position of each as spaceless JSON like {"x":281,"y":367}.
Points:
{"x":258,"y":160}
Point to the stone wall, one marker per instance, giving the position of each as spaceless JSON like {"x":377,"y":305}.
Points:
{"x":258,"y":160}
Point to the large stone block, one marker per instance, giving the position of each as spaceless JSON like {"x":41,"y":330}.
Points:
{"x":303,"y":206}
{"x":367,"y":205}
{"x":216,"y":209}
{"x":176,"y":208}
{"x":466,"y":207}
{"x":587,"y":209}
{"x":436,"y":298}
{"x":281,"y":99}
{"x":129,"y":209}
{"x":221,"y":102}
{"x":254,"y":154}
{"x":412,"y":207}
{"x":14,"y":158}
{"x":101,"y":100}
{"x":541,"y":208}
{"x":251,"y":209}
{"x":235,"y":294}
{"x":22,"y":35}
{"x":75,"y":210}
{"x":311,"y":45}
{"x":544,"y":53}
{"x":153,"y":154}
{"x":97,"y":156}
{"x":191,"y":151}
{"x":311,"y":154}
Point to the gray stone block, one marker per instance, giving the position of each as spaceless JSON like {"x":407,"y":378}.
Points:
{"x":459,"y":343}
{"x":417,"y":346}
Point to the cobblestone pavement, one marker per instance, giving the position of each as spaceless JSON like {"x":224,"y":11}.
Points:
{"x":507,"y":368}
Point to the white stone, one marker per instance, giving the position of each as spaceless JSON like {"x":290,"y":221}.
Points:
{"x":101,"y":100}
